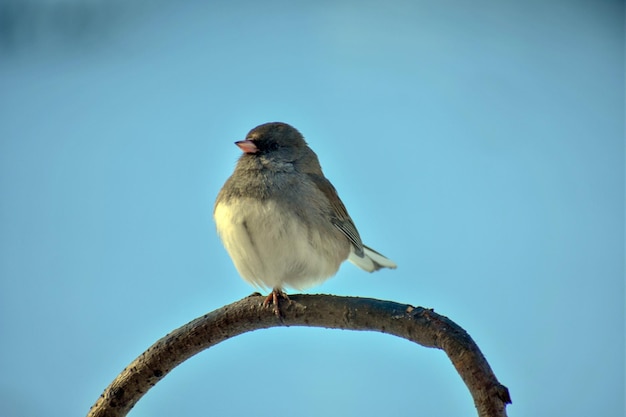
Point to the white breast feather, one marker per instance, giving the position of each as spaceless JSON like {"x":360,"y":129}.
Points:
{"x":272,"y":248}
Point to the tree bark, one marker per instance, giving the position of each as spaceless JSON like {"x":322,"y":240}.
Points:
{"x":417,"y":324}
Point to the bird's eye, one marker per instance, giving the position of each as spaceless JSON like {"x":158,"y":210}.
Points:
{"x":265,"y":145}
{"x":272,"y":146}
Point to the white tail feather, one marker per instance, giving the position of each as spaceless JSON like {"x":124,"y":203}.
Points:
{"x":371,"y":260}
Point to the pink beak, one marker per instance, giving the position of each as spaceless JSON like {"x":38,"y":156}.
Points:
{"x":247,"y":146}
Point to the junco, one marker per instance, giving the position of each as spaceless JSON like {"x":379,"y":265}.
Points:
{"x":282,"y":221}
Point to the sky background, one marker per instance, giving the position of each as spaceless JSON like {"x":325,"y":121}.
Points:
{"x":480,"y":145}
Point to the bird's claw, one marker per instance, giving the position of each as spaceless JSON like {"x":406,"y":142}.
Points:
{"x":273,"y":298}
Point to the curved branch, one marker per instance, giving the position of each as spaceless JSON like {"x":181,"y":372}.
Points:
{"x":417,"y":324}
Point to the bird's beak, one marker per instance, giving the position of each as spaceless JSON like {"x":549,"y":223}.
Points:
{"x":247,"y":146}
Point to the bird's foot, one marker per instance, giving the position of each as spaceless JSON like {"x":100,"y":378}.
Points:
{"x":274,"y":298}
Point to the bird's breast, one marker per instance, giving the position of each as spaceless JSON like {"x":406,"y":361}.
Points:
{"x":273,"y":246}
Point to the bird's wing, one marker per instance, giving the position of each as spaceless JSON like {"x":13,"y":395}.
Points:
{"x":340,"y":217}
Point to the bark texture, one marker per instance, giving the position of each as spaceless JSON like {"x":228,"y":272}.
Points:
{"x":420,"y":325}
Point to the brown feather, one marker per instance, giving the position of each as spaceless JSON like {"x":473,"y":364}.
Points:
{"x":340,"y":217}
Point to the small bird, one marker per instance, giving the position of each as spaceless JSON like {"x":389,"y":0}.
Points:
{"x":281,"y":221}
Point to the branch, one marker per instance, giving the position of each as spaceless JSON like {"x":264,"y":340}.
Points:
{"x":417,"y":324}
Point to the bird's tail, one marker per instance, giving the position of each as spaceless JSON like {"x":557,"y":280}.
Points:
{"x":371,"y":260}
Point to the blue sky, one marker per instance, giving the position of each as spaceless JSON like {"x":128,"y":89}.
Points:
{"x":480,"y":146}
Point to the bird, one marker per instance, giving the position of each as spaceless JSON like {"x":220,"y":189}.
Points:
{"x":281,"y":220}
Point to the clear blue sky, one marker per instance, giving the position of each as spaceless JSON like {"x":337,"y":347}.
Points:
{"x":480,"y":145}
